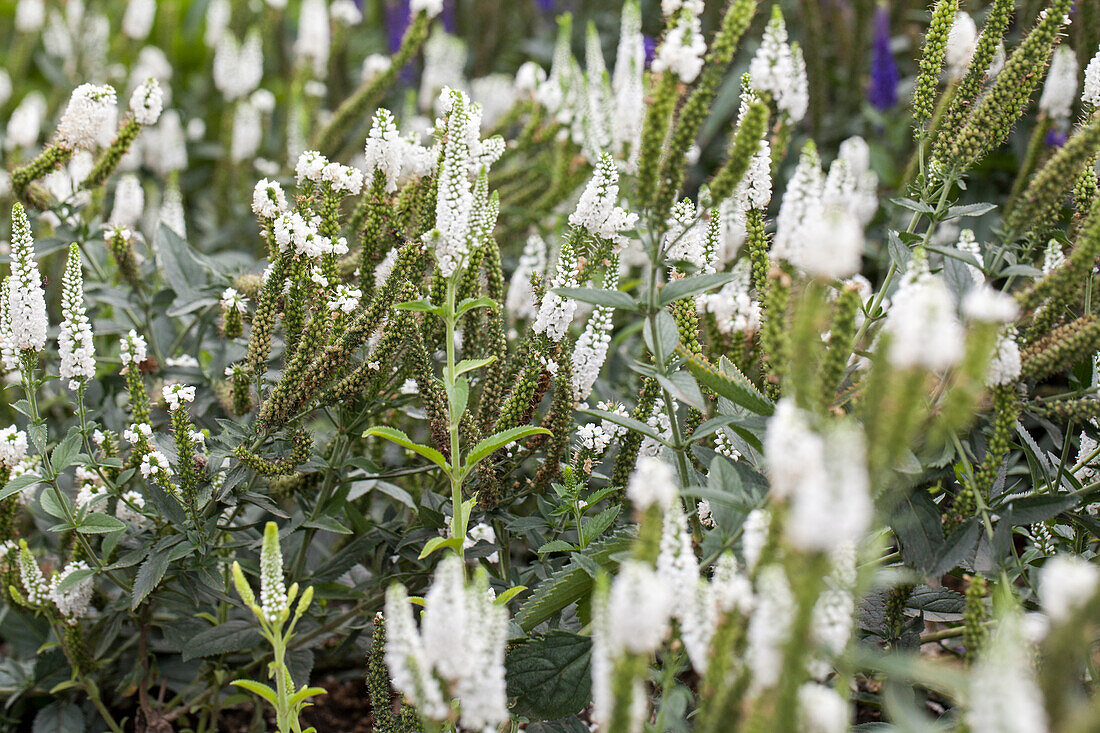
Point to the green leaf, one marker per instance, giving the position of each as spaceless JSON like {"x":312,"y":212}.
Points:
{"x":616,"y":299}
{"x":549,"y":676}
{"x":555,"y":546}
{"x":919,"y":528}
{"x":73,"y":579}
{"x":66,"y":451}
{"x":19,"y":483}
{"x":435,"y":543}
{"x":229,"y":636}
{"x":956,"y":212}
{"x":149,"y":575}
{"x":504,"y":597}
{"x":684,"y":388}
{"x":97,"y":523}
{"x":458,"y":397}
{"x":469,"y":364}
{"x":305,"y":693}
{"x":686,"y":287}
{"x":729,"y":383}
{"x":571,"y":583}
{"x":396,"y":436}
{"x":54,"y":502}
{"x":918,"y":206}
{"x":258,"y":688}
{"x":493,"y":443}
{"x":423,"y":305}
{"x":667,"y":336}
{"x":59,"y":717}
{"x":327,"y":524}
{"x":595,"y":526}
{"x":469,"y":304}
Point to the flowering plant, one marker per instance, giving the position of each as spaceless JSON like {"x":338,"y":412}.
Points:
{"x":686,"y":393}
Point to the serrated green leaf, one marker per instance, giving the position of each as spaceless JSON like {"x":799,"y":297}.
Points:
{"x":396,"y":436}
{"x":493,"y":443}
{"x":686,"y":287}
{"x":599,"y":296}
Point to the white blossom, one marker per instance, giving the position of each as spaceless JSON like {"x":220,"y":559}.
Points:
{"x":30,"y":15}
{"x":154,"y":464}
{"x":962,"y":41}
{"x":779,"y":69}
{"x":268,"y":199}
{"x":383,"y":150}
{"x":1090,"y":93}
{"x":35,"y":587}
{"x":769,"y":627}
{"x":343,"y":178}
{"x":1003,"y":695}
{"x":1066,"y":584}
{"x":984,"y":303}
{"x":1004,"y":366}
{"x":597,"y":210}
{"x":89,"y":110}
{"x":238,"y":68}
{"x":821,"y":710}
{"x":128,"y":510}
{"x":520,"y":301}
{"x":247,"y":131}
{"x":455,"y":200}
{"x":345,"y":298}
{"x":682,"y":50}
{"x":311,"y":47}
{"x":25,"y":123}
{"x":129,"y":202}
{"x":652,"y":483}
{"x":431,"y":7}
{"x":1060,"y":89}
{"x":138,"y":19}
{"x":25,"y":324}
{"x":75,"y":602}
{"x":218,"y":14}
{"x":627,"y":85}
{"x":923,"y":328}
{"x":132,"y":349}
{"x":13,"y":447}
{"x":146,"y":102}
{"x":74,"y":342}
{"x":231,"y":300}
{"x":800,"y":209}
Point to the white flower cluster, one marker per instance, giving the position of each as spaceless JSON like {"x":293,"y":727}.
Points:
{"x":460,"y":644}
{"x":683,"y":48}
{"x":652,"y":483}
{"x":138,"y":19}
{"x":594,"y":438}
{"x":556,"y":312}
{"x":598,"y":212}
{"x":459,"y":210}
{"x":268,"y":199}
{"x":521,"y":297}
{"x":823,"y":476}
{"x":154,"y":464}
{"x":962,"y":41}
{"x":129,"y":202}
{"x":1003,"y":695}
{"x":1005,"y":365}
{"x":733,"y":307}
{"x":137,"y":433}
{"x":74,"y":341}
{"x":13,"y":447}
{"x":685,"y":236}
{"x":1066,"y":584}
{"x":383,"y":149}
{"x":851,"y":184}
{"x":1090,"y":92}
{"x":91,"y":108}
{"x":923,"y":328}
{"x":345,"y":298}
{"x":274,"y":603}
{"x":231,"y":300}
{"x":294,"y":232}
{"x":147,"y":102}
{"x":769,"y":626}
{"x":984,"y":303}
{"x":35,"y":587}
{"x":343,"y":179}
{"x":779,"y":69}
{"x":431,"y":7}
{"x":753,"y":192}
{"x":175,"y":395}
{"x":74,"y":602}
{"x":590,"y":351}
{"x":129,"y":508}
{"x":628,"y":87}
{"x":968,"y":243}
{"x":311,"y":46}
{"x":24,"y":322}
{"x":132,"y":349}
{"x":238,"y":68}
{"x":1060,"y":89}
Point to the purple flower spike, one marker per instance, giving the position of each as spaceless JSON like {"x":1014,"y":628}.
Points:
{"x":1055,"y":138}
{"x":882,"y":92}
{"x":650,"y":44}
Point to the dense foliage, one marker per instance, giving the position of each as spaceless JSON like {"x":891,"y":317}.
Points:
{"x":738,"y":383}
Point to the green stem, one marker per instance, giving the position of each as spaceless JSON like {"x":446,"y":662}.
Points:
{"x":458,"y":519}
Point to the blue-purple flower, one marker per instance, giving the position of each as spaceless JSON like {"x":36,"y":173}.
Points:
{"x":882,"y":92}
